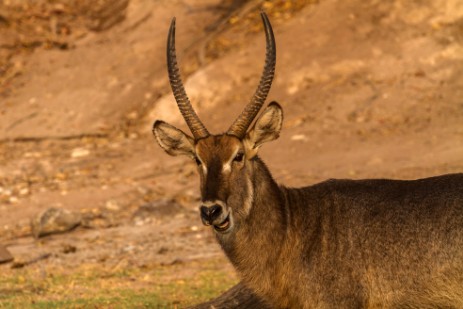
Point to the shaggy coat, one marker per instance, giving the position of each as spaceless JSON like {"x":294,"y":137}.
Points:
{"x":337,"y":244}
{"x":352,"y":243}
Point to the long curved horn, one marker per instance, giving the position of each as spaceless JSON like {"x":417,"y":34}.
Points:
{"x":241,"y":124}
{"x":196,"y":126}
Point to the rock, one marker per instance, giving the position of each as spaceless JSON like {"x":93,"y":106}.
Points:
{"x":157,"y":210}
{"x":68,"y":249}
{"x":97,"y":220}
{"x":54,"y":220}
{"x":79,"y":152}
{"x":5,"y":255}
{"x":299,"y":137}
{"x":22,"y":263}
{"x":104,"y":14}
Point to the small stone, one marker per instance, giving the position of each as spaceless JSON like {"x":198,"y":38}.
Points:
{"x":59,"y":8}
{"x":79,"y":152}
{"x":30,"y":260}
{"x":54,"y":220}
{"x":112,"y":205}
{"x":5,"y":255}
{"x":68,"y":249}
{"x":98,"y":219}
{"x":175,"y":261}
{"x":163,"y":250}
{"x":132,"y":115}
{"x":24,"y":191}
{"x":299,"y":137}
{"x":159,"y":210}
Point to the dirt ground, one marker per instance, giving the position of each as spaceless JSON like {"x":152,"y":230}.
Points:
{"x":370,"y":89}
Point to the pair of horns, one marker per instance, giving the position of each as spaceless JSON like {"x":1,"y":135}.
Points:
{"x":242,"y":123}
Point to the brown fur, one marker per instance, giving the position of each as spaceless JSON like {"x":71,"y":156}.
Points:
{"x":353,"y":244}
{"x":337,"y":244}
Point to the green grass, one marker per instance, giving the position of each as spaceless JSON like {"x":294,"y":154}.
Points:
{"x":90,"y":286}
{"x":124,"y":299}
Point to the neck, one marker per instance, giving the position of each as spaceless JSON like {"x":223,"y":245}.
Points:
{"x":255,"y":246}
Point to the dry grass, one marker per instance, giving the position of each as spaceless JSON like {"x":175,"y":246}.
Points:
{"x":172,"y":286}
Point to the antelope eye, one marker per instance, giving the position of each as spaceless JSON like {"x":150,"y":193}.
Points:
{"x":239,"y":157}
{"x":197,"y":161}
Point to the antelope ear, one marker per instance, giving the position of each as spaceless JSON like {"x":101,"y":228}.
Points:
{"x":267,"y":128}
{"x":174,"y":141}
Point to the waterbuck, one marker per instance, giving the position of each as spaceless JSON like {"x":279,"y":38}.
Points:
{"x":372,"y":243}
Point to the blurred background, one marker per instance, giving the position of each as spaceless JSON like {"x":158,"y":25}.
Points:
{"x":93,"y":212}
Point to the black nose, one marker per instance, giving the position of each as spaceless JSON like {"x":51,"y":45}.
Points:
{"x":209,"y":214}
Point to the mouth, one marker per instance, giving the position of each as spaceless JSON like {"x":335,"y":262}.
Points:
{"x":222,"y":227}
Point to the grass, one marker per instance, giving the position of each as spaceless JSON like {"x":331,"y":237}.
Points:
{"x":93,"y":286}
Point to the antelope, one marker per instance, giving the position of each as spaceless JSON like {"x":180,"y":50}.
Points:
{"x":373,"y":243}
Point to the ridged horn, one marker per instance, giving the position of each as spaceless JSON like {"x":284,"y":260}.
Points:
{"x":241,"y":124}
{"x":194,"y":123}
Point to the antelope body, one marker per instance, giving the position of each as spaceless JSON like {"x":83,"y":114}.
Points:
{"x":337,"y":244}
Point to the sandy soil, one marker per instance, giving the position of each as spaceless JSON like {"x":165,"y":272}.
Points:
{"x":370,"y":89}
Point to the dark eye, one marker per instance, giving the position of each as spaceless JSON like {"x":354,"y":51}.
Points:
{"x":239,"y":157}
{"x":197,"y":161}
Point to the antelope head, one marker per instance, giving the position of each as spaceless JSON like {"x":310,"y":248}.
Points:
{"x":225,"y":161}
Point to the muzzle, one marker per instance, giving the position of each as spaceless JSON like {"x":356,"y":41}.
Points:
{"x":215,"y":214}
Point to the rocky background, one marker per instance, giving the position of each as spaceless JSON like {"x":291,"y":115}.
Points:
{"x":92,"y":211}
